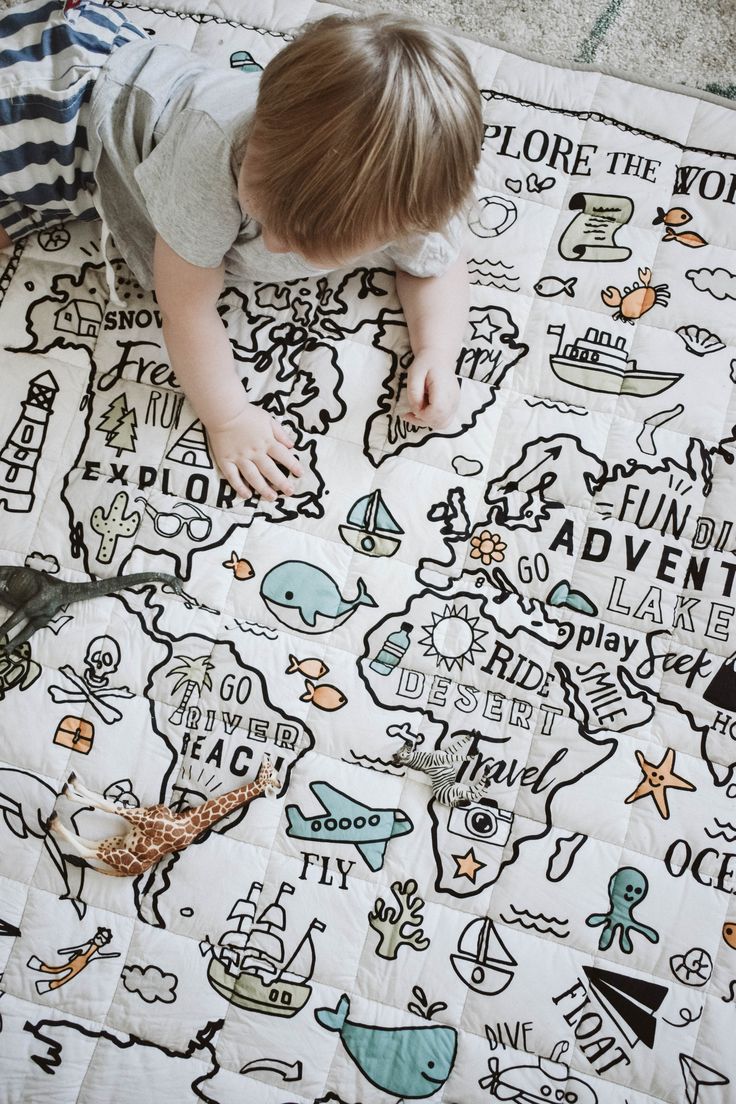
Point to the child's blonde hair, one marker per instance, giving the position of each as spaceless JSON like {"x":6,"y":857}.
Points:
{"x":366,"y":128}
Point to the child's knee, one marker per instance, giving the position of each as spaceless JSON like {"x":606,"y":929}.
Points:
{"x":5,"y":241}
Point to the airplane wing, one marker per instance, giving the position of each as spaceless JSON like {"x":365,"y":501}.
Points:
{"x":373,"y":853}
{"x":335,"y":802}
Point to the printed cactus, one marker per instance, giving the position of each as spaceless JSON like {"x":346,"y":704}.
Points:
{"x":113,"y":524}
{"x":399,"y":926}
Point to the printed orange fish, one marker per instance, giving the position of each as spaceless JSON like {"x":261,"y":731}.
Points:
{"x":310,"y":668}
{"x":324,"y":697}
{"x":729,"y":934}
{"x":685,"y":237}
{"x":676,"y":216}
{"x":242,"y":569}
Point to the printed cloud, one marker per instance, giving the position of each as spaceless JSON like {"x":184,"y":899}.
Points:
{"x":150,"y":983}
{"x":718,"y":282}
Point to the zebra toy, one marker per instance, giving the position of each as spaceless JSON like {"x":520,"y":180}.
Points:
{"x":442,"y":766}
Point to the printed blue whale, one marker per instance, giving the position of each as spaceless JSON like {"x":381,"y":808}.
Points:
{"x":410,"y":1062}
{"x":302,"y":596}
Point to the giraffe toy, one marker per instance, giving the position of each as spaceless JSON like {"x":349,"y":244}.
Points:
{"x":155,"y":831}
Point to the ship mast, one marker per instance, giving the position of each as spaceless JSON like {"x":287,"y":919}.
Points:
{"x":301,"y":964}
{"x":264,"y":953}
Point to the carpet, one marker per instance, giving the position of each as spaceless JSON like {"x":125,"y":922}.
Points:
{"x":658,"y":41}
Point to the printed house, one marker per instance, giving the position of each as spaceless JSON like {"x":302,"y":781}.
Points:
{"x":80,"y":317}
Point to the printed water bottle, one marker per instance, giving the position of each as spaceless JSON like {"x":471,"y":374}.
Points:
{"x":392,"y":651}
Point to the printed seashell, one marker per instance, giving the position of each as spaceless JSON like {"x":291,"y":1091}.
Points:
{"x":700,"y":341}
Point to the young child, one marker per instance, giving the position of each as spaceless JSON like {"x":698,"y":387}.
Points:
{"x":363,"y":134}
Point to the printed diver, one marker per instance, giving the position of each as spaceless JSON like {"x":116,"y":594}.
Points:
{"x":348,"y":821}
{"x":36,"y":597}
{"x":302,"y":596}
{"x":410,"y":1062}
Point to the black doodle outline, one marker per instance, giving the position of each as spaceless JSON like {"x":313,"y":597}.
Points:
{"x":575,"y":842}
{"x":149,"y":887}
{"x":392,"y":381}
{"x":202,"y":1041}
{"x":598,"y":117}
{"x":64,"y":864}
{"x":517,"y":842}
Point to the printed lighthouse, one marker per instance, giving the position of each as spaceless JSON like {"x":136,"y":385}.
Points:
{"x":21,"y":452}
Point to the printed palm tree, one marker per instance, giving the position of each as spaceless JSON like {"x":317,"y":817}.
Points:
{"x":193,"y":675}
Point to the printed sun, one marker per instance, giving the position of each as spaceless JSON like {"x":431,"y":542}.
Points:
{"x":453,"y":637}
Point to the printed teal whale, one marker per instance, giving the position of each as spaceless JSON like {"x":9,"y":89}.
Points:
{"x":410,"y":1062}
{"x":304,"y":597}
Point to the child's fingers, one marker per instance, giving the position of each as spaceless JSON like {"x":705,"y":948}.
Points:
{"x":415,"y":393}
{"x":282,"y":435}
{"x":235,"y":480}
{"x":282,"y":456}
{"x":274,"y":475}
{"x":256,"y":480}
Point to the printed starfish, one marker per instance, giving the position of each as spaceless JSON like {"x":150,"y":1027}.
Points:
{"x":467,"y":865}
{"x":658,"y":778}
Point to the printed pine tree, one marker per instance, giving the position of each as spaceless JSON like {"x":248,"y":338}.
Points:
{"x":122,"y":438}
{"x":112,"y":416}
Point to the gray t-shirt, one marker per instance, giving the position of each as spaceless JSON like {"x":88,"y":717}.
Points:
{"x":164,"y":128}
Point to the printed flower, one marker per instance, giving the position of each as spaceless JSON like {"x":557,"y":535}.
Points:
{"x":487,"y":547}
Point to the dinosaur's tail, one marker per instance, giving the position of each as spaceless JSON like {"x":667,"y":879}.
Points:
{"x":120,"y":582}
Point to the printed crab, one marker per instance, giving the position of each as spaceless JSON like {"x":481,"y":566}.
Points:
{"x":636,"y":300}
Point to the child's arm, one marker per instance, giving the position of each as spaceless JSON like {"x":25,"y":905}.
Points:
{"x":436,"y":311}
{"x":245,"y":441}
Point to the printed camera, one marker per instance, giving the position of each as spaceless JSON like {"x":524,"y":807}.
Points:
{"x":482,"y":821}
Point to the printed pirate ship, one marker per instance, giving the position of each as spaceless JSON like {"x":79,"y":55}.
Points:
{"x":483,"y":962}
{"x":371,"y":528}
{"x":248,"y":967}
{"x":598,"y":362}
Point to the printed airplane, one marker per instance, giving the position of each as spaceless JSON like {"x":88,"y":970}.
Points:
{"x":348,"y":821}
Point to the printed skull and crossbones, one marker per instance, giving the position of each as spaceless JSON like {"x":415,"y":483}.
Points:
{"x":101,"y":660}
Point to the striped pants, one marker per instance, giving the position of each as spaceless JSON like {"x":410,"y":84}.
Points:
{"x":50,"y":55}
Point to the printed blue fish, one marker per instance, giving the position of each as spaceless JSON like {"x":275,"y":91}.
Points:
{"x":410,"y":1062}
{"x":561,"y":595}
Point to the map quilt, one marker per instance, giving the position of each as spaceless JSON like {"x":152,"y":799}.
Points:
{"x":545,"y":593}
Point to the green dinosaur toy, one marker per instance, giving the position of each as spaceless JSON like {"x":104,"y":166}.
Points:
{"x":36,"y":597}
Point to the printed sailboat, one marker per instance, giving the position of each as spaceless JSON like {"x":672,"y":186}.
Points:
{"x":249,"y":967}
{"x":483,"y":961}
{"x":371,"y":528}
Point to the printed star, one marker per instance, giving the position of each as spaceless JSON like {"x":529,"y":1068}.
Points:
{"x":467,"y":865}
{"x":658,"y":778}
{"x":484,"y":329}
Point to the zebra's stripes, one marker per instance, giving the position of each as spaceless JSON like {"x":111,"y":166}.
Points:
{"x":49,"y":60}
{"x":442,"y":768}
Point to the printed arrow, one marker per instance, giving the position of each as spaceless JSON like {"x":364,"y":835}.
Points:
{"x":287,"y":1072}
{"x":549,"y":454}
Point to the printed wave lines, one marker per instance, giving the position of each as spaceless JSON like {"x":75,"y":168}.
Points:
{"x":493,"y":273}
{"x":530,"y":920}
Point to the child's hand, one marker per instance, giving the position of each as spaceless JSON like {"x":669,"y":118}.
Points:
{"x":432,"y":390}
{"x":247,"y":449}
